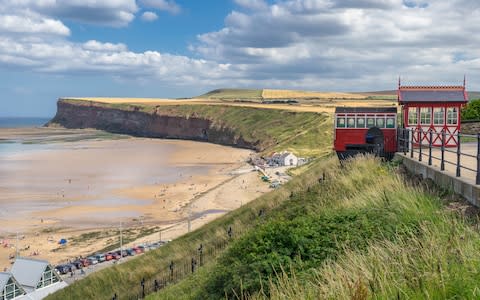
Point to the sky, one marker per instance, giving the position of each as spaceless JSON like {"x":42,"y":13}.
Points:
{"x":183,"y":48}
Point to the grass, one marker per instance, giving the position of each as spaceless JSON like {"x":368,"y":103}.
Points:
{"x":304,"y":133}
{"x":292,"y":94}
{"x":233,"y":94}
{"x":361,"y":204}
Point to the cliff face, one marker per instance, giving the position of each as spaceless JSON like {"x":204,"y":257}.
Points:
{"x":138,"y":123}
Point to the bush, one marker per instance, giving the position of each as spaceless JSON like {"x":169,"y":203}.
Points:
{"x":300,"y":244}
{"x":471,"y":111}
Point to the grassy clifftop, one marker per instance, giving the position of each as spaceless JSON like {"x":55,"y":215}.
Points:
{"x":304,"y":133}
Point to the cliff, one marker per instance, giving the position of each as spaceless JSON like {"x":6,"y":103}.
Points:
{"x":252,"y":128}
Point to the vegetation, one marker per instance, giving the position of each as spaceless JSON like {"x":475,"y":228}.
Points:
{"x":358,"y":208}
{"x":304,"y":133}
{"x":472,"y":110}
{"x":233,"y":94}
{"x":293,"y":94}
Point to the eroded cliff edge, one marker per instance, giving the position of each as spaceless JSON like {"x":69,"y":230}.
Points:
{"x":259,"y":129}
{"x":135,"y":120}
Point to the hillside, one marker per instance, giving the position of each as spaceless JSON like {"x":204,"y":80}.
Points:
{"x":366,"y":232}
{"x":260,"y":129}
{"x":358,"y":231}
{"x":233,"y":94}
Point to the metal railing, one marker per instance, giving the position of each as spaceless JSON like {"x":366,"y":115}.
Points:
{"x":433,"y":145}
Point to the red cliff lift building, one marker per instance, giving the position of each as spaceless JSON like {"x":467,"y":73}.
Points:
{"x":432,"y":108}
{"x":365,"y":130}
{"x":428,"y":112}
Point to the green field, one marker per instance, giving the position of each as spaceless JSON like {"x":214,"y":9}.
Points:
{"x":233,"y":94}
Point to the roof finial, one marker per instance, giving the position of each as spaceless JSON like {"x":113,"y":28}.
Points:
{"x":464,"y":80}
{"x":399,"y":82}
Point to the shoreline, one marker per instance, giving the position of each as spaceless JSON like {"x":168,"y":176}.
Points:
{"x":167,"y":208}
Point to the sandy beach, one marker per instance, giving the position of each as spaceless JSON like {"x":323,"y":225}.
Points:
{"x":82,"y":190}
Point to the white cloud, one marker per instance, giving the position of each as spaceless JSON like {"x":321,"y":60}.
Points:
{"x":347,"y":44}
{"x":93,"y":45}
{"x":252,"y":4}
{"x":32,"y":24}
{"x":149,"y":16}
{"x":166,"y":5}
{"x":115,"y":13}
{"x":305,"y":44}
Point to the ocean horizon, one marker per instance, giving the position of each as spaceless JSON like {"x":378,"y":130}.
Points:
{"x":21,"y":122}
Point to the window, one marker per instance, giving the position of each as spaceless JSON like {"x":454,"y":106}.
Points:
{"x":340,"y":122}
{"x":438,"y":115}
{"x":370,"y":122}
{"x":452,"y":116}
{"x":11,"y":291}
{"x":351,"y":122}
{"x":412,"y":116}
{"x":425,"y":115}
{"x":360,"y":122}
{"x":49,"y":277}
{"x":380,"y":121}
{"x":391,"y":122}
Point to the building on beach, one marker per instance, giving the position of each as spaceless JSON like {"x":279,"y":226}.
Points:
{"x":283,"y":159}
{"x":29,"y":279}
{"x":10,"y":288}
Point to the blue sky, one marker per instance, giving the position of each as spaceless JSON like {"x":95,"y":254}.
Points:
{"x":182,"y":48}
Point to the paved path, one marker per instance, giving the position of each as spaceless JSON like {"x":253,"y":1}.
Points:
{"x":451,"y":160}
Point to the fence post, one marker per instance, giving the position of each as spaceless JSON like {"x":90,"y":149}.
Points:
{"x":171,"y":267}
{"x":200,"y":253}
{"x":420,"y":144}
{"x":405,"y":141}
{"x":442,"y":163}
{"x":458,"y":154}
{"x":194,"y":263}
{"x":430,"y":133}
{"x":142,"y":283}
{"x":411,"y":143}
{"x":477,"y":181}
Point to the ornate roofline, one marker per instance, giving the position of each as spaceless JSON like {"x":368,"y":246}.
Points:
{"x":432,"y":87}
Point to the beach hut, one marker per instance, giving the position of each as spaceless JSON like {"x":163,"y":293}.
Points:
{"x":37,"y":277}
{"x":10,"y":288}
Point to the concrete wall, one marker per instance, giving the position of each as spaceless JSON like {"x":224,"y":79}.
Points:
{"x":461,"y":186}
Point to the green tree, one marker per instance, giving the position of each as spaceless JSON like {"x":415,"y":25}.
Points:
{"x":472,"y":110}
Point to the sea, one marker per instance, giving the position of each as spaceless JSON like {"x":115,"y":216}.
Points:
{"x":22,"y":122}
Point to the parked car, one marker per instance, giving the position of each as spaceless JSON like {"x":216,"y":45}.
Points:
{"x":65,"y":268}
{"x":123,"y":254}
{"x":100,"y":257}
{"x":114,"y":255}
{"x":131,"y":252}
{"x":108,"y":256}
{"x":155,"y":245}
{"x":80,"y":263}
{"x":92,"y":260}
{"x":143,"y":248}
{"x":138,"y":250}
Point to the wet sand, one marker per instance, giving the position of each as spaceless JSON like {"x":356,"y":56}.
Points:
{"x":82,"y":190}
